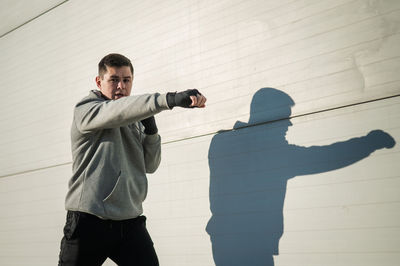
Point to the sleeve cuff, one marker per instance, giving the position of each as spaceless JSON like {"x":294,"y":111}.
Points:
{"x":152,"y":139}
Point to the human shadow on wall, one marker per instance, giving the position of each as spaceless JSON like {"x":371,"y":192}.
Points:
{"x":249,"y":170}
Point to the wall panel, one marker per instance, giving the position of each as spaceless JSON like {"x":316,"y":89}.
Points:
{"x":32,"y":216}
{"x":314,"y":189}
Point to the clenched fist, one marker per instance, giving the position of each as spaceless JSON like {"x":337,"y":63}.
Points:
{"x":186,"y":99}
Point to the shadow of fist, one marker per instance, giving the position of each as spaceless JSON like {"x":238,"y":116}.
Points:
{"x":381,"y":139}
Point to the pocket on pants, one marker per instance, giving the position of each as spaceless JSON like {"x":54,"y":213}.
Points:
{"x":71,"y":224}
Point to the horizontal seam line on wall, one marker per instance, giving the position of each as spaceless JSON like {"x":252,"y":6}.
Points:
{"x":287,"y":118}
{"x":32,"y":19}
{"x":36,"y":169}
{"x":229,"y":130}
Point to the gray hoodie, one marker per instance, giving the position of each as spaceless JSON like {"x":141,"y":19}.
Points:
{"x":111,"y":155}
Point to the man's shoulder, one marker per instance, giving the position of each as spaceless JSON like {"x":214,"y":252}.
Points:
{"x":94,"y":96}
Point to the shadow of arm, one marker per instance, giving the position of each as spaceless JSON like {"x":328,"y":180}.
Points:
{"x":318,"y":159}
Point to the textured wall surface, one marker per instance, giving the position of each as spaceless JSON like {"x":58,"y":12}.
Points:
{"x":293,"y":162}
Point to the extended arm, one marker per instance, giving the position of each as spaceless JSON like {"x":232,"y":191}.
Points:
{"x":93,"y":114}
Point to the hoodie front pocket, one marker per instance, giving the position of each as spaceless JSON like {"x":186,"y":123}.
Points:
{"x":114,"y":188}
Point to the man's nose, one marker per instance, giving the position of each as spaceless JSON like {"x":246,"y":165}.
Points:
{"x":121,"y":85}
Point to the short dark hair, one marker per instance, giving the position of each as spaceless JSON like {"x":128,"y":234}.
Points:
{"x":113,"y":60}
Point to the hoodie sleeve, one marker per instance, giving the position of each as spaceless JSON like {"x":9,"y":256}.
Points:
{"x":152,"y":152}
{"x":94,"y":113}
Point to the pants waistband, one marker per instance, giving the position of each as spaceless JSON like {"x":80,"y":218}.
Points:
{"x":88,"y":216}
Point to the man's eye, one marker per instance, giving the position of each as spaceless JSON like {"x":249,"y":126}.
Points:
{"x":126,"y":80}
{"x":114,"y":80}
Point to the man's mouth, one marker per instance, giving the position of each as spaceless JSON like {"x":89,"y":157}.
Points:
{"x":119,"y":95}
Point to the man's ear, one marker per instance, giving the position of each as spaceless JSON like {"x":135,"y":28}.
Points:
{"x":98,"y":82}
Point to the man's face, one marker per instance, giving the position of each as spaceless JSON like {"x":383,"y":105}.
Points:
{"x":116,"y":82}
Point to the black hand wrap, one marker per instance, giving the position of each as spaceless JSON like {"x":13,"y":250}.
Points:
{"x":181,"y":99}
{"x":150,"y":126}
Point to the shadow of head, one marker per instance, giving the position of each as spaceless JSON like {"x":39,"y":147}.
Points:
{"x":269,"y":104}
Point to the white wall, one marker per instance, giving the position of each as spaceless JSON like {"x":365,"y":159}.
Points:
{"x":292,"y":191}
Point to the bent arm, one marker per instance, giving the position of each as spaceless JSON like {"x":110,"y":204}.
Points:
{"x":152,"y":152}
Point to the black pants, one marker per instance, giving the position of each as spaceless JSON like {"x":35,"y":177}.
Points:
{"x":89,"y":241}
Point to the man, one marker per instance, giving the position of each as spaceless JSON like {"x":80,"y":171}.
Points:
{"x":114,"y":144}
